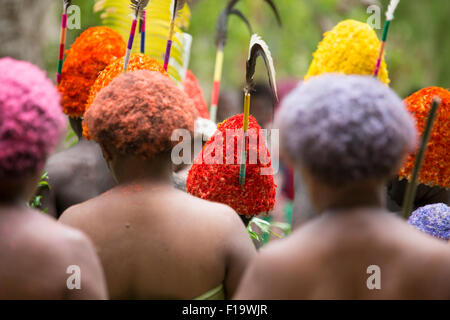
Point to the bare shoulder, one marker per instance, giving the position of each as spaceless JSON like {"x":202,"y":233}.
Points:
{"x":76,"y":214}
{"x":212,"y":211}
{"x":274,"y":272}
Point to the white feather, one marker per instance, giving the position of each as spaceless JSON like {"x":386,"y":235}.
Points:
{"x":258,"y":40}
{"x":391,"y":9}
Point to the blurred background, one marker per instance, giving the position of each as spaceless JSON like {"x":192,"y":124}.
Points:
{"x":418,"y":48}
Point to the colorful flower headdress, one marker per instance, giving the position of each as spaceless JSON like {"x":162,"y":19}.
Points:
{"x":351,"y":47}
{"x":137,"y":61}
{"x":436,"y":165}
{"x":433,"y":219}
{"x":214,"y":178}
{"x":91,"y":52}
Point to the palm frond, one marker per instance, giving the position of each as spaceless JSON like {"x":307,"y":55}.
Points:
{"x":115,"y":14}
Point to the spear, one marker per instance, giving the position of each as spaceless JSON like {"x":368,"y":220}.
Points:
{"x":62,"y":40}
{"x":137,"y":6}
{"x":410,"y":194}
{"x":389,"y":17}
{"x":257,"y":48}
{"x":177,"y":6}
{"x":221,"y":39}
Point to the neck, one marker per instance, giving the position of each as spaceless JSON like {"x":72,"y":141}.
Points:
{"x":351,"y":197}
{"x":132,"y":169}
{"x":18,"y":190}
{"x":365,"y":194}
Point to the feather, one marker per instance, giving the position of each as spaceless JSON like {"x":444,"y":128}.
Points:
{"x":138,"y":5}
{"x":67,"y":4}
{"x":391,"y":9}
{"x":177,"y":6}
{"x":222,"y":23}
{"x":259,"y":48}
{"x":275,"y":11}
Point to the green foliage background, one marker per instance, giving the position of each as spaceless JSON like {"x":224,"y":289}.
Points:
{"x":418,"y":47}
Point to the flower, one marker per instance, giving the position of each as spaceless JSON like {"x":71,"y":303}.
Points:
{"x":93,"y":50}
{"x":194,"y":91}
{"x":214,"y":178}
{"x":351,"y":47}
{"x":435,"y":168}
{"x":137,"y":62}
{"x":136,"y":114}
{"x":31,"y":119}
{"x":433,"y":219}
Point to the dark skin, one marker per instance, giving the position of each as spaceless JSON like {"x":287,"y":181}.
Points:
{"x":157,"y":242}
{"x":35,"y":251}
{"x":327,"y":258}
{"x":75,"y":175}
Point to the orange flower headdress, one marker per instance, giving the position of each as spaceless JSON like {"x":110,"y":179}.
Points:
{"x":436,"y":165}
{"x":138,"y":61}
{"x":93,"y":50}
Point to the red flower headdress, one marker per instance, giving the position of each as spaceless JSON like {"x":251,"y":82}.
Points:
{"x":194,"y":91}
{"x":212,"y":178}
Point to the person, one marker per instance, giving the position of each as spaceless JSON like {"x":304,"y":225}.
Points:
{"x":35,"y":251}
{"x":80,"y":173}
{"x":154,"y":241}
{"x":347,"y":135}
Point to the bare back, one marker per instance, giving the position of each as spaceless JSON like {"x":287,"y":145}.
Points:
{"x":75,"y":175}
{"x":35,"y":254}
{"x":328,"y":258}
{"x":156,"y":242}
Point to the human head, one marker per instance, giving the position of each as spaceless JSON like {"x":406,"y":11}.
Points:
{"x":135,"y":115}
{"x":31,"y":122}
{"x":91,"y":52}
{"x":433,"y":219}
{"x":345,"y":131}
{"x":351,"y":47}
